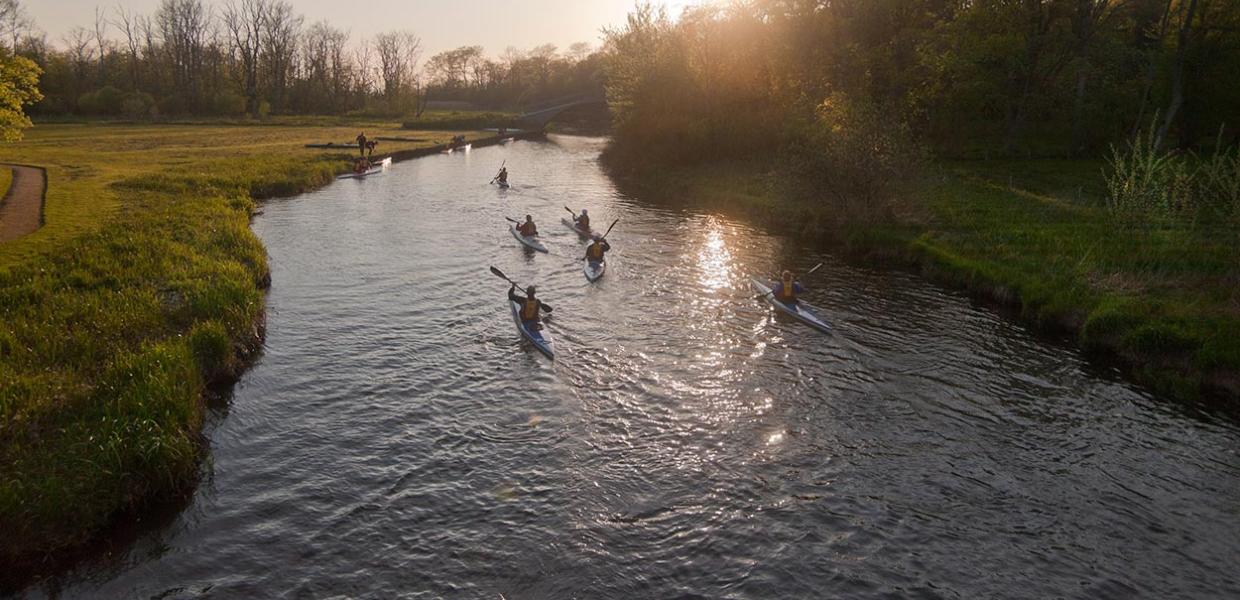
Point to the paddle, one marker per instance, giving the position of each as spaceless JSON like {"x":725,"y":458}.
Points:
{"x":501,"y":275}
{"x":613,"y":224}
{"x":501,"y":168}
{"x":809,"y":272}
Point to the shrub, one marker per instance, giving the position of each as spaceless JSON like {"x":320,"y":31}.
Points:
{"x":106,"y":100}
{"x":857,"y":154}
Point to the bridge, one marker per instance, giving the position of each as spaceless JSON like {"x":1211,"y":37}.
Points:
{"x":538,"y":118}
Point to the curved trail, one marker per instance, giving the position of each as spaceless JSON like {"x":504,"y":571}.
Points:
{"x":21,"y":209}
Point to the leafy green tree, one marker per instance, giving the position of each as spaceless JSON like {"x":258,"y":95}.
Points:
{"x":19,"y":87}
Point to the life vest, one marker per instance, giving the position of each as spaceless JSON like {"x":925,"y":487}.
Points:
{"x":595,"y":251}
{"x":529,"y":310}
{"x":787,"y":292}
{"x":583,"y":222}
{"x":527,"y":229}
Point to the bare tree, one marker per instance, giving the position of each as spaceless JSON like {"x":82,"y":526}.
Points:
{"x":81,"y":54}
{"x":1189,"y":14}
{"x":14,"y":22}
{"x":245,"y":23}
{"x":101,"y":41}
{"x":184,"y":28}
{"x":128,"y":24}
{"x":281,"y":29}
{"x":398,"y":59}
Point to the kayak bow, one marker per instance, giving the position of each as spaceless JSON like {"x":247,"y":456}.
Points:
{"x":594,"y":270}
{"x":802,"y":311}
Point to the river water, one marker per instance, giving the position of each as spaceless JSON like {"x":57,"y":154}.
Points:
{"x":398,"y":440}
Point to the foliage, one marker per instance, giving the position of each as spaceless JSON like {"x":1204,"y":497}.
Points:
{"x":856,"y":156}
{"x":19,"y":87}
{"x":1147,"y":183}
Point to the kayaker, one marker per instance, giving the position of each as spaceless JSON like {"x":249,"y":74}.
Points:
{"x":596,"y":250}
{"x":530,"y":306}
{"x":361,"y":166}
{"x":787,"y":289}
{"x":583,"y":221}
{"x":370,"y":147}
{"x":361,"y":143}
{"x":503,"y":175}
{"x":528,"y":228}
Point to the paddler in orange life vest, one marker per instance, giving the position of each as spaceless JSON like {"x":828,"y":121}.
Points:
{"x":528,"y":228}
{"x":787,"y":289}
{"x":583,"y":221}
{"x":530,"y":306}
{"x":596,"y":250}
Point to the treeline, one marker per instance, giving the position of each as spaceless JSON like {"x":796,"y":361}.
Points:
{"x":1067,"y":77}
{"x":260,"y":57}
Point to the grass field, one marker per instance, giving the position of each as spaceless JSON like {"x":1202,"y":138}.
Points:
{"x":1164,"y":299}
{"x":144,"y":285}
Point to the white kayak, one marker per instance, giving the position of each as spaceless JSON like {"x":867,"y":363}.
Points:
{"x":503,"y":185}
{"x":801,"y":311}
{"x":540,"y":339}
{"x":573,"y":225}
{"x":594,"y":270}
{"x":378,"y":167}
{"x":531,"y":241}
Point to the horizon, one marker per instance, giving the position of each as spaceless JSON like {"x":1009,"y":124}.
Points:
{"x":573,"y":21}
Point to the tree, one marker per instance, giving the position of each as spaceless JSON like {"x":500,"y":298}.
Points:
{"x":19,"y":88}
{"x":398,"y":58}
{"x":245,"y":23}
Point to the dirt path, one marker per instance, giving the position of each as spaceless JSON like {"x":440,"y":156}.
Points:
{"x":21,"y":209}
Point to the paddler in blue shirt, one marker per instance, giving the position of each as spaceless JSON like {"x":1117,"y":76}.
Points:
{"x":530,"y":306}
{"x":787,"y":289}
{"x":596,"y":250}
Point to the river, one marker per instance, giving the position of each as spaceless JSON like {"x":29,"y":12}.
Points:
{"x":396,"y":439}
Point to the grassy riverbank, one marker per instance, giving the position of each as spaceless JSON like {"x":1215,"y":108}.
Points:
{"x":144,"y":286}
{"x":1030,"y":233}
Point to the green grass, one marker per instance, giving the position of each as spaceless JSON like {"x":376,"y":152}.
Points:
{"x":144,"y":286}
{"x":1033,"y":233}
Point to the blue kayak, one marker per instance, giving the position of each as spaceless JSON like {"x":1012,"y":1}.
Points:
{"x":540,"y":339}
{"x":800,"y":311}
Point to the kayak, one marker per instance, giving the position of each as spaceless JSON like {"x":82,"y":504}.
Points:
{"x":503,"y":185}
{"x":594,"y":270}
{"x":572,"y":225}
{"x":375,"y":169}
{"x":801,"y":311}
{"x":531,"y":241}
{"x":539,"y":338}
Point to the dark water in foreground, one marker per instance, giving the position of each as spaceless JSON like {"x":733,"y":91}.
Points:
{"x":396,"y":440}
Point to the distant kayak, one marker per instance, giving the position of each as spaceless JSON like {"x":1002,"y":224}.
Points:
{"x":540,"y":339}
{"x":594,"y":270}
{"x":571,"y":225}
{"x":531,"y":241}
{"x":378,"y":167}
{"x":800,"y":311}
{"x":503,"y":185}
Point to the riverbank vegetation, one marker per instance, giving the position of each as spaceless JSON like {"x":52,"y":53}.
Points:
{"x":144,"y":287}
{"x":1061,"y":156}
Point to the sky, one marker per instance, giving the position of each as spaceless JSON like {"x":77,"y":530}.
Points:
{"x":442,"y":24}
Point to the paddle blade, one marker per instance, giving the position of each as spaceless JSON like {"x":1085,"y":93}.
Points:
{"x":613,"y":224}
{"x":816,"y":267}
{"x":570,"y":211}
{"x":499,"y":273}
